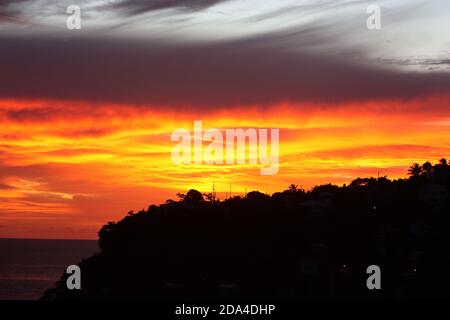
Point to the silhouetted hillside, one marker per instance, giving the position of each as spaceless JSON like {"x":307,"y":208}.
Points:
{"x":292,"y":244}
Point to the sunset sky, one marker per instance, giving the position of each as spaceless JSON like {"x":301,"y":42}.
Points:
{"x":86,"y":115}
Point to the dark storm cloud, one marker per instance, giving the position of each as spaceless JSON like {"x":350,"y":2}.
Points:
{"x":19,"y":12}
{"x":14,"y":10}
{"x":8,"y":14}
{"x":253,"y":71}
{"x":141,"y":6}
{"x":6,"y":17}
{"x":6,"y":5}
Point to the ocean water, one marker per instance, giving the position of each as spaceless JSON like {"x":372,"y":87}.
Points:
{"x":29,"y":267}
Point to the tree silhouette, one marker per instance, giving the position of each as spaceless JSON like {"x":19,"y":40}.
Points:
{"x":427,"y":169}
{"x":293,"y":244}
{"x":415,"y":170}
{"x":193,"y":196}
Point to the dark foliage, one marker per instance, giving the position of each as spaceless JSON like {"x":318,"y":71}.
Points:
{"x":293,"y":244}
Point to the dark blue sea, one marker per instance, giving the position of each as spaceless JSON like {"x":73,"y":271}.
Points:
{"x":29,"y":267}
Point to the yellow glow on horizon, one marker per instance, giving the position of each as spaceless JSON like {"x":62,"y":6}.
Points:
{"x":89,"y":156}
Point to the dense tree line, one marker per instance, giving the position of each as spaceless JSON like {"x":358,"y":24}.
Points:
{"x":291,"y":244}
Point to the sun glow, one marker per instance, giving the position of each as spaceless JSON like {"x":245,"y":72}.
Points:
{"x":89,"y":163}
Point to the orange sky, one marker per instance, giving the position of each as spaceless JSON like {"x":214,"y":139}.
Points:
{"x":70,"y":167}
{"x":86,"y":115}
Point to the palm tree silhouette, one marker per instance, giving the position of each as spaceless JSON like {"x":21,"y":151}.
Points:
{"x":415,"y":170}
